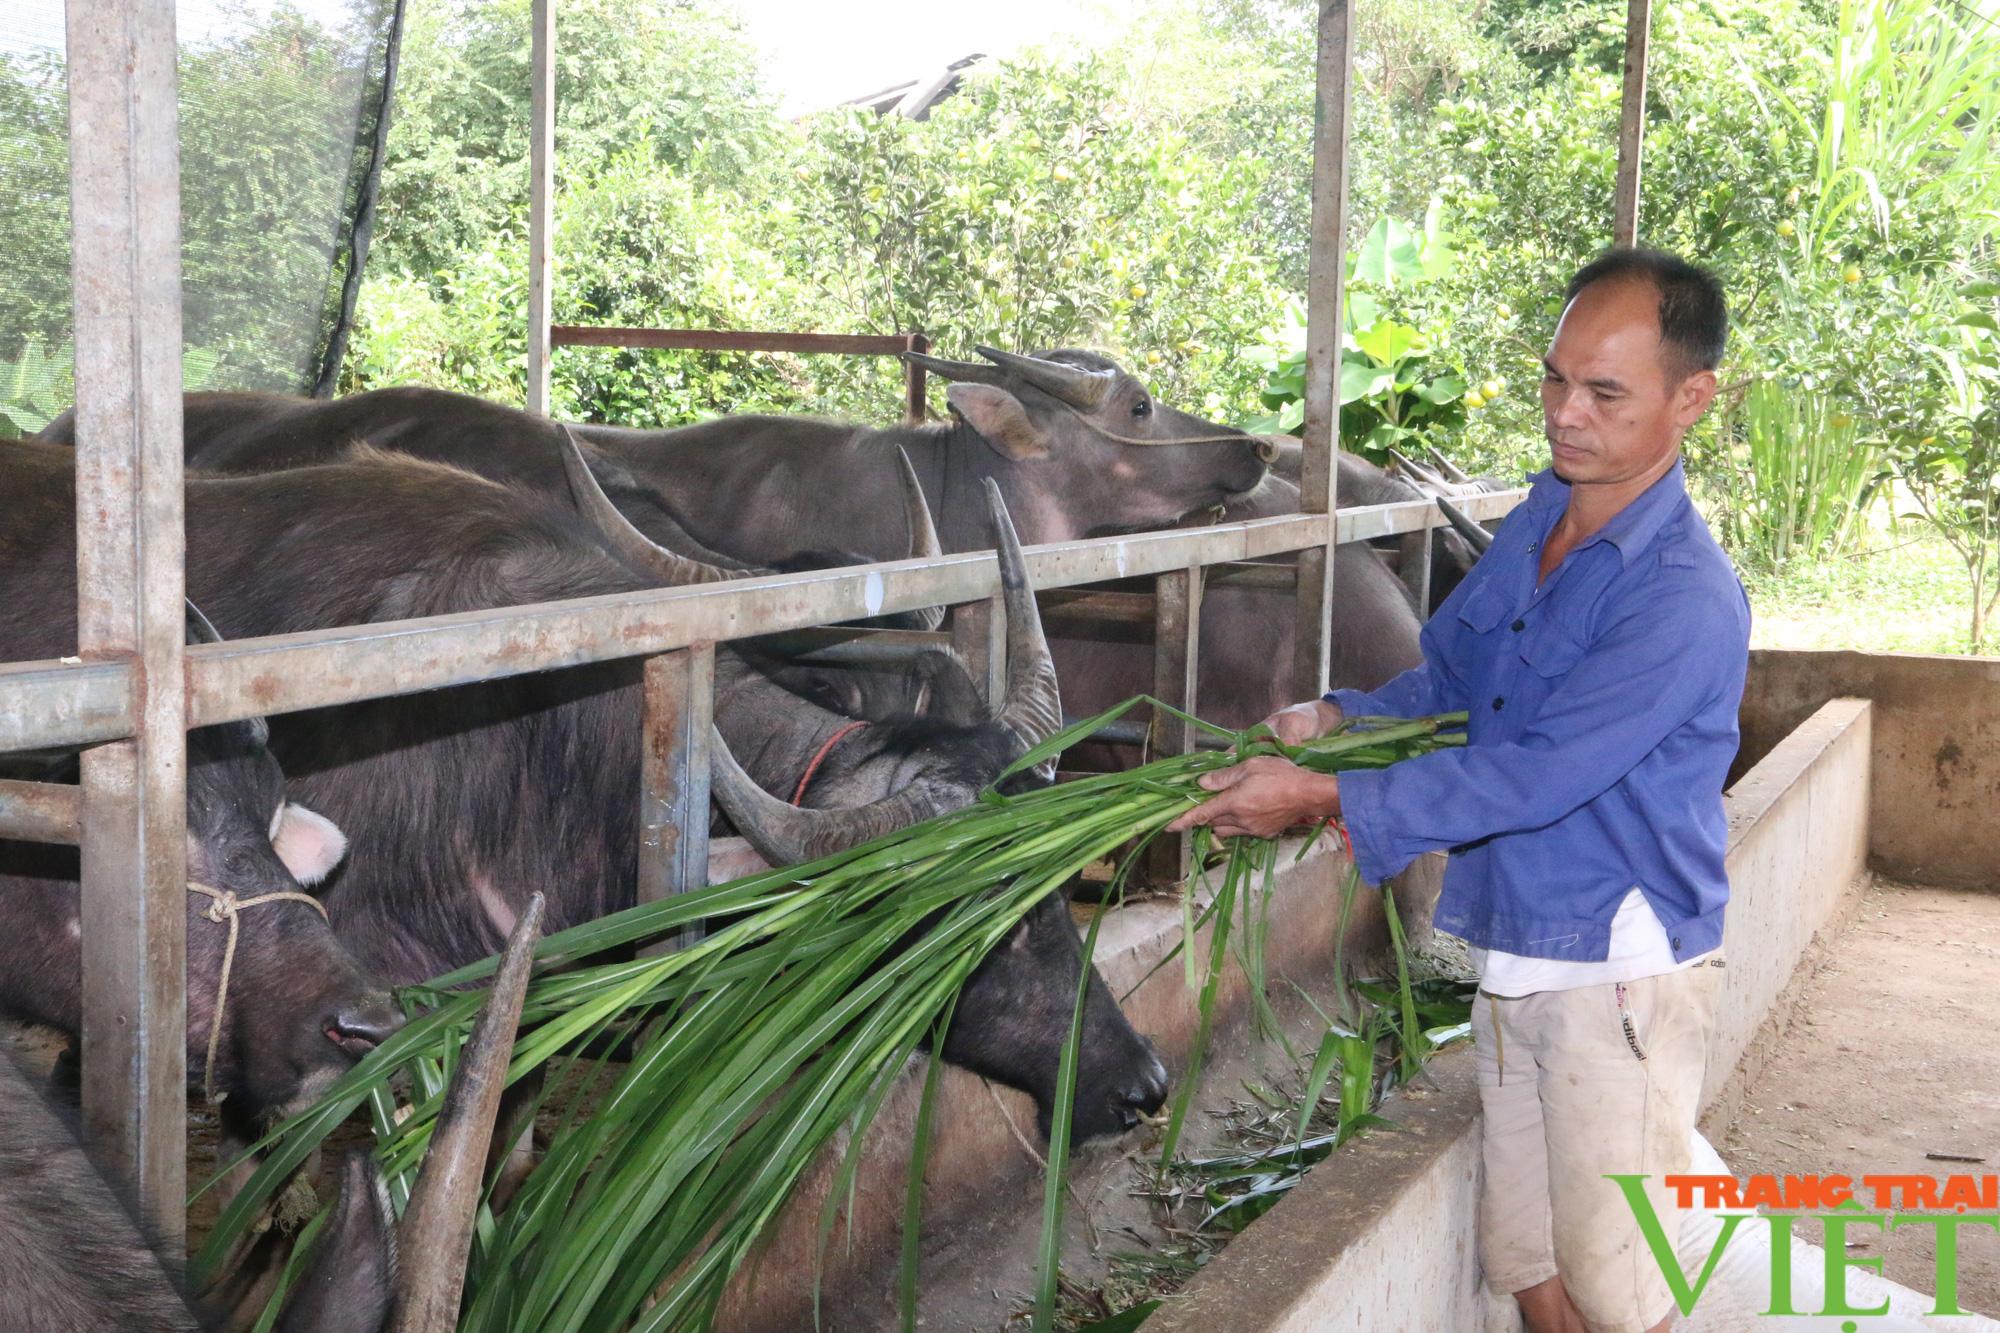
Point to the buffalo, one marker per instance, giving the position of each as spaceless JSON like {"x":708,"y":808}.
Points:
{"x":77,"y":1259}
{"x":1077,"y":446}
{"x":298,"y":1009}
{"x":463,"y":802}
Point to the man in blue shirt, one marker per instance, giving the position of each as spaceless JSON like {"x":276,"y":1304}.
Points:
{"x":1599,"y":647}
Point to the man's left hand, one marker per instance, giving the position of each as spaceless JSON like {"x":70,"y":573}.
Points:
{"x":1261,"y":798}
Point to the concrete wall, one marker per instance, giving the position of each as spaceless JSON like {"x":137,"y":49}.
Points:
{"x":1381,"y":1237}
{"x":977,"y":1156}
{"x":1937,"y":750}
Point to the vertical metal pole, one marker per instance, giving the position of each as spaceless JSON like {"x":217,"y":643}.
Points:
{"x":914,"y":380}
{"x":1414,"y":553}
{"x":541,"y":197}
{"x":1176,"y":654}
{"x":1631,"y":123}
{"x":979,"y":637}
{"x":1325,"y":277}
{"x":673,"y":796}
{"x":126,"y":273}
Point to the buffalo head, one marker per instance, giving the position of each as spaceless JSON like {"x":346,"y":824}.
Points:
{"x":298,"y":1010}
{"x":1087,"y":438}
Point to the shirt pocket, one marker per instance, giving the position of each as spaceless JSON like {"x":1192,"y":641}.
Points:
{"x":1550,"y":650}
{"x":1485,"y":608}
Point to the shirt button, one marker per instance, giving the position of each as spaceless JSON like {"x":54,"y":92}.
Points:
{"x":1518,"y":626}
{"x":1676,"y":943}
{"x":1498,"y":703}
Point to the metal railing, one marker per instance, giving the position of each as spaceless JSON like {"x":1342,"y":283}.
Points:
{"x":138,"y":688}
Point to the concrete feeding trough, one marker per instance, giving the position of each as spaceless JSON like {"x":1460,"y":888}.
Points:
{"x":1852,"y":764}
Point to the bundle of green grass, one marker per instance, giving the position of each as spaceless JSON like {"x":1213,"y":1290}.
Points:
{"x":748,"y":1050}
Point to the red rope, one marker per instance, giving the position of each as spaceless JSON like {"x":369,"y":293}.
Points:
{"x":806,"y":779}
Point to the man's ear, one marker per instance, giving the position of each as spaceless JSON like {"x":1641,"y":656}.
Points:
{"x":1692,"y":398}
{"x":1000,"y":420}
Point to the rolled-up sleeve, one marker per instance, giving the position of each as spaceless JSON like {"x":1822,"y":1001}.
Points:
{"x":1647,"y":673}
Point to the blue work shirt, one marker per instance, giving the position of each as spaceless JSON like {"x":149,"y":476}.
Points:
{"x":1603,"y":722}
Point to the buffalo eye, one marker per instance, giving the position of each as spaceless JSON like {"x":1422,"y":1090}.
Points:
{"x":1142,"y":408}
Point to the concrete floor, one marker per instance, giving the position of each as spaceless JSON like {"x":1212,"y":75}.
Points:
{"x":1893,"y":1056}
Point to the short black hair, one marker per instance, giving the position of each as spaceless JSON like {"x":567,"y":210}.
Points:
{"x":1694,"y":320}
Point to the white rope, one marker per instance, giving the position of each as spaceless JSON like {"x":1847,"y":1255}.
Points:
{"x":225,"y":908}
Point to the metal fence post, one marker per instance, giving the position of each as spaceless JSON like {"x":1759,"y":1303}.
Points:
{"x":126,"y":273}
{"x":541,"y":197}
{"x":979,"y":637}
{"x":673,"y":796}
{"x":1414,"y":557}
{"x":1176,"y":681}
{"x":915,"y":380}
{"x":1325,"y":278}
{"x":1631,"y":123}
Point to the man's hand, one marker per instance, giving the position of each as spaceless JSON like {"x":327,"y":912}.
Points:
{"x":1261,"y":798}
{"x":1303,"y":722}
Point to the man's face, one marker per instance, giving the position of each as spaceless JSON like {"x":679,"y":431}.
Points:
{"x":1611,"y":409}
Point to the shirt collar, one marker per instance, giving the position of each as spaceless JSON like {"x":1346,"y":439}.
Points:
{"x":1632,"y":528}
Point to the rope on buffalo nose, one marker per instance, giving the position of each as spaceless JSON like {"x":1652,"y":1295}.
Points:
{"x":224,"y":909}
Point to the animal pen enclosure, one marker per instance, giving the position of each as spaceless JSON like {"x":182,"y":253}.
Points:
{"x":136,"y":689}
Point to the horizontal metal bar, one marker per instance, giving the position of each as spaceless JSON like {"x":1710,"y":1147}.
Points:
{"x":47,"y":704}
{"x":1236,"y":575}
{"x":56,"y":705}
{"x":727,"y":340}
{"x":41,"y":811}
{"x":858,"y":647}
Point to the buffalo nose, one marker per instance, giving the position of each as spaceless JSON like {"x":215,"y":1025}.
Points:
{"x":1148,"y":1090}
{"x":359,"y":1026}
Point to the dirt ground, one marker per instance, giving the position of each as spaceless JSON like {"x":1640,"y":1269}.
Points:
{"x":1893,"y":1056}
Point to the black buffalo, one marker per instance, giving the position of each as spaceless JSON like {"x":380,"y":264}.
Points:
{"x":299,"y":1008}
{"x":463,"y":802}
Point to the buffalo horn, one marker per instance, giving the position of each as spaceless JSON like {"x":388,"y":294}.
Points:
{"x":924,"y":543}
{"x":1032,"y":708}
{"x":1479,"y":538}
{"x":958,"y":372}
{"x":1417,"y":473}
{"x":1451,"y":471}
{"x":632,"y":545}
{"x":436,"y":1230}
{"x":1074,"y":385}
{"x":786,"y":835}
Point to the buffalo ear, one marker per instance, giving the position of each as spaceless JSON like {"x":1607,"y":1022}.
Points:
{"x":1000,"y":420}
{"x":309,"y":843}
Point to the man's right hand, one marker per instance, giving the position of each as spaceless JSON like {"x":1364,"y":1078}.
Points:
{"x":1303,"y":722}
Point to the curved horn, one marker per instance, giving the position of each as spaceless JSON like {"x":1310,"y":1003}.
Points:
{"x":632,"y":545}
{"x":1451,"y":471}
{"x":958,"y":372}
{"x":786,"y":834}
{"x":1417,"y":472}
{"x":200,"y":629}
{"x":1079,"y":388}
{"x":1477,"y":537}
{"x":924,"y":543}
{"x":1032,"y":707}
{"x":436,"y":1230}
